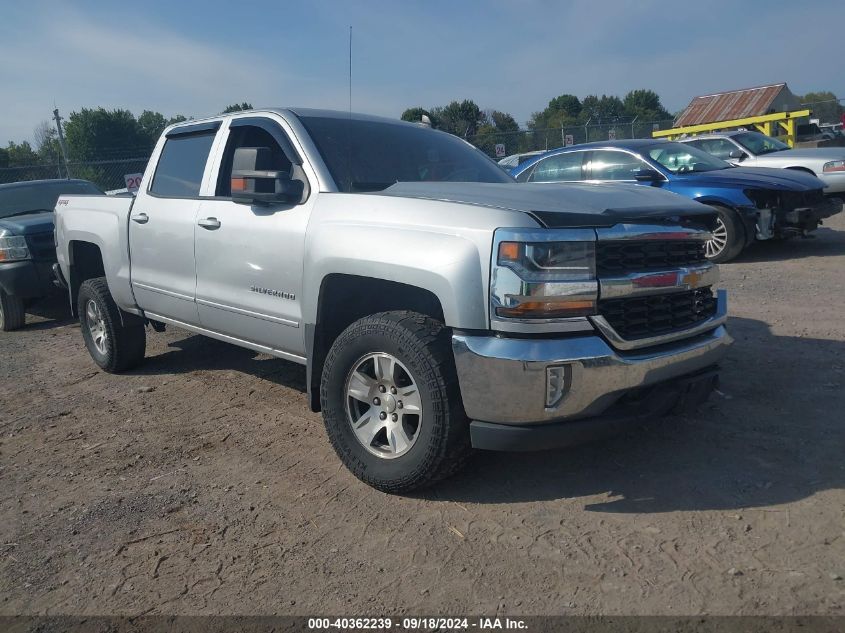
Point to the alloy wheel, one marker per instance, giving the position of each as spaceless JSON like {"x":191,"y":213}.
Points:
{"x":96,"y":326}
{"x":383,"y":405}
{"x":718,"y":241}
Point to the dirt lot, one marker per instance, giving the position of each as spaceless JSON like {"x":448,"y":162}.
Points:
{"x":202,"y":483}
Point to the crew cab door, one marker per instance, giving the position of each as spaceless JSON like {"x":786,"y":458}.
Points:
{"x":250,"y":257}
{"x":162,"y":223}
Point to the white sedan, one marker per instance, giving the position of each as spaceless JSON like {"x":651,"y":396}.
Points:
{"x":753,"y":149}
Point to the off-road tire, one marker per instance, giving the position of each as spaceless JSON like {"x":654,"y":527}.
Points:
{"x":735,"y":235}
{"x":12,"y":315}
{"x":126,"y":340}
{"x":423,"y":345}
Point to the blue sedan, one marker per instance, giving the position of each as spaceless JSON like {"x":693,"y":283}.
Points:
{"x":751,"y":204}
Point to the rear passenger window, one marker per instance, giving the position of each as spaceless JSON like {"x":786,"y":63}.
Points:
{"x":181,"y":165}
{"x":610,"y":165}
{"x":562,"y":167}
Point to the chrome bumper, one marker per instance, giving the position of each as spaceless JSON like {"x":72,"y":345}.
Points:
{"x":505,"y":380}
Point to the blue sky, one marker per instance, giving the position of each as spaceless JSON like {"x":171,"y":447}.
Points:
{"x":195,"y":57}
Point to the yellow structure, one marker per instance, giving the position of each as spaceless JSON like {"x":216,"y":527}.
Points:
{"x":767,"y":123}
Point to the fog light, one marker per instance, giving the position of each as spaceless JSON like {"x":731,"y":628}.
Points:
{"x":557,"y":384}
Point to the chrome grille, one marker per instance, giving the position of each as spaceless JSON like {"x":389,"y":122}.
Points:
{"x":625,"y":256}
{"x":653,"y":315}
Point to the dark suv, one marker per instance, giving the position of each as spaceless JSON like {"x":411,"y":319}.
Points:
{"x":27,"y":251}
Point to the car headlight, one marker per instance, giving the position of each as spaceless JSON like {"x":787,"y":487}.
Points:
{"x":834,"y":165}
{"x":543,"y":274}
{"x":13,"y":248}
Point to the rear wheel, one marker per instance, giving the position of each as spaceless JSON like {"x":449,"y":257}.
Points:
{"x":116,"y":341}
{"x":391,"y":402}
{"x":12,"y":315}
{"x":728,"y":237}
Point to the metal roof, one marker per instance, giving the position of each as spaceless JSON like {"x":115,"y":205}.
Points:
{"x":724,"y":106}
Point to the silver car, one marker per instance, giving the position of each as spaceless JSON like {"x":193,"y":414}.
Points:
{"x":753,"y":149}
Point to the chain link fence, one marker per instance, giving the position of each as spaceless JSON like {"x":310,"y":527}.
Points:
{"x":109,"y":170}
{"x":106,"y":174}
{"x":551,"y":138}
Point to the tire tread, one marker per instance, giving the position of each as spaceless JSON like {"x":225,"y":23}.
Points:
{"x":450,"y":448}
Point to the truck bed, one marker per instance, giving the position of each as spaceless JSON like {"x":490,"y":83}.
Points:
{"x":102,"y":221}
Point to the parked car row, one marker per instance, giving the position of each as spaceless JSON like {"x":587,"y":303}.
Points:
{"x":751,"y":204}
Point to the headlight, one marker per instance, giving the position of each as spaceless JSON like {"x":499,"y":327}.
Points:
{"x":834,"y":165}
{"x":552,"y":277}
{"x":13,"y":248}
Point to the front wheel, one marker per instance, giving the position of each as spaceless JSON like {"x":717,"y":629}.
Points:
{"x":12,"y":315}
{"x":728,"y":237}
{"x":116,"y":341}
{"x":391,"y":403}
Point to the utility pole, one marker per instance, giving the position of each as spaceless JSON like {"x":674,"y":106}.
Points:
{"x":58,"y":120}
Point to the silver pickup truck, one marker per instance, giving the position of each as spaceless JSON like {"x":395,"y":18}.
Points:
{"x":436,"y":304}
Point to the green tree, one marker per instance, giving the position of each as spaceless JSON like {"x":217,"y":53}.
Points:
{"x":237,"y":107}
{"x":645,"y":105}
{"x":500,"y":127}
{"x":604,"y":109}
{"x":151,"y":124}
{"x":461,"y":118}
{"x":561,"y":111}
{"x":95,"y":134}
{"x":47,"y":143}
{"x":824,"y":105}
{"x":20,"y":154}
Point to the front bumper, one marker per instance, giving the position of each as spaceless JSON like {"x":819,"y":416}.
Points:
{"x":507,"y":381}
{"x":676,"y":395}
{"x":27,"y":279}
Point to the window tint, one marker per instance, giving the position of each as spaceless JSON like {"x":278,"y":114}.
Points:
{"x":562,"y":167}
{"x":249,"y":136}
{"x":41,"y":196}
{"x":369,"y":155}
{"x":609,"y":165}
{"x":181,"y":165}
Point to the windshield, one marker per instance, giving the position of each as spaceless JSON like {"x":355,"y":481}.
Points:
{"x":373,"y":155}
{"x":757,"y":143}
{"x":684,"y":159}
{"x":21,"y":198}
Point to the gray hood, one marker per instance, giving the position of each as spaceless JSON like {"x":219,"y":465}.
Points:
{"x":562,"y":205}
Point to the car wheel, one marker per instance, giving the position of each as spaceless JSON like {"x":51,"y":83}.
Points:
{"x":115,"y":340}
{"x":728,"y":237}
{"x":12,"y":315}
{"x":391,"y":402}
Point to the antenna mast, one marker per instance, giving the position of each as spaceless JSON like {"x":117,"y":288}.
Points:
{"x":350,"y":70}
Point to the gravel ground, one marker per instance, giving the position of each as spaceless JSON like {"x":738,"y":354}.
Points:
{"x":202,"y":484}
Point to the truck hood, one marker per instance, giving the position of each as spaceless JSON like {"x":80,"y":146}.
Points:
{"x":564,"y":204}
{"x":753,"y":178}
{"x":28,"y":224}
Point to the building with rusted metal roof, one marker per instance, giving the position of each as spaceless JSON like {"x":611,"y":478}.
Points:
{"x":738,"y":104}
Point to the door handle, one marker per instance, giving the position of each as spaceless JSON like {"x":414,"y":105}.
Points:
{"x":141,"y":218}
{"x":209,"y":223}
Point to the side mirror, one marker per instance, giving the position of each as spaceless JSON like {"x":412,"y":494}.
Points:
{"x":252,"y":183}
{"x":738,"y":155}
{"x":648,"y":175}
